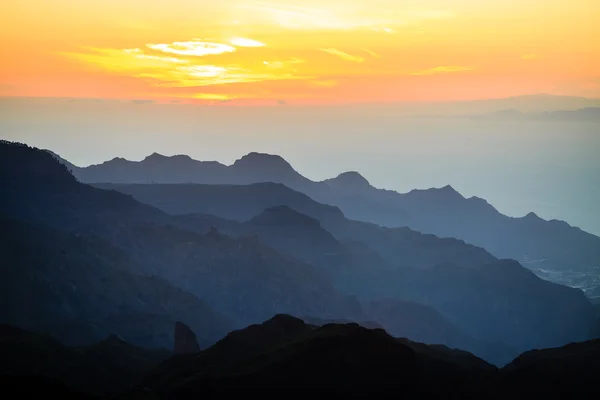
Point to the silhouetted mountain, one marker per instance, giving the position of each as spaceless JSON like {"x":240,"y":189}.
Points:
{"x":570,"y":371}
{"x":395,"y":245}
{"x":80,"y":289}
{"x":443,"y":212}
{"x":184,"y":339}
{"x":239,"y":277}
{"x":347,"y":360}
{"x":284,"y":352}
{"x":503,"y":302}
{"x":460,"y":281}
{"x":107,"y":367}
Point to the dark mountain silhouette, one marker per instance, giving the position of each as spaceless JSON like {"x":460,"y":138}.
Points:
{"x":106,"y":367}
{"x":285,"y":352}
{"x":500,"y":304}
{"x":347,"y":360}
{"x":443,"y":212}
{"x":570,"y":371}
{"x":80,"y":289}
{"x":184,"y":339}
{"x":239,"y":277}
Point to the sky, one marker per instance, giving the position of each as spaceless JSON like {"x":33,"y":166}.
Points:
{"x":286,"y":52}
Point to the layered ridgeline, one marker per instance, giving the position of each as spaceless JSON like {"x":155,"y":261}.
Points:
{"x":340,"y":359}
{"x":304,"y":259}
{"x":443,"y":212}
{"x":492,"y":301}
{"x":81,"y":262}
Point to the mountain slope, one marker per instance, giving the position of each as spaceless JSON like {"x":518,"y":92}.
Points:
{"x":442,"y":212}
{"x":346,"y":360}
{"x":107,"y":367}
{"x":241,"y":278}
{"x":243,"y":202}
{"x":80,"y":289}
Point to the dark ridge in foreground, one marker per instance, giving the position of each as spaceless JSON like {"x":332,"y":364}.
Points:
{"x":283,"y":354}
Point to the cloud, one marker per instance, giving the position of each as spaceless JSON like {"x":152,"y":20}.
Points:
{"x":529,"y":57}
{"x":192,"y":48}
{"x":383,"y":30}
{"x":207,"y":75}
{"x":243,"y":42}
{"x":123,"y":59}
{"x":282,"y":64}
{"x":371,"y":53}
{"x":442,"y":70}
{"x":343,"y":55}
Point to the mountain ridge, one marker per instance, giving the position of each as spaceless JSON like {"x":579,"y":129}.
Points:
{"x":440,"y":211}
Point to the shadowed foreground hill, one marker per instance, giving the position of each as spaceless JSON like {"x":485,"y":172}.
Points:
{"x":345,"y":360}
{"x":286,"y":355}
{"x":107,"y":367}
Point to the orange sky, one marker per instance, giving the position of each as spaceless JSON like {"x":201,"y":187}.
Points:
{"x":299,"y":51}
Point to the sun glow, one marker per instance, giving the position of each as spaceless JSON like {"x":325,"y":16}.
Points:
{"x":312,"y":50}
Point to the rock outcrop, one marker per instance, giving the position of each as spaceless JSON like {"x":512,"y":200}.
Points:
{"x":185,"y":340}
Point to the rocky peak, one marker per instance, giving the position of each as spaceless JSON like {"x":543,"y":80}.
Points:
{"x":350,"y":179}
{"x":185,"y":340}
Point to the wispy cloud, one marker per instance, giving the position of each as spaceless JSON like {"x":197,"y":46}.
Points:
{"x":371,"y":53}
{"x":343,"y":55}
{"x":182,"y":71}
{"x":208,"y":75}
{"x":192,"y":48}
{"x":244,"y":42}
{"x":442,"y":70}
{"x":282,"y":64}
{"x":529,"y":57}
{"x":384,"y":29}
{"x":123,"y":59}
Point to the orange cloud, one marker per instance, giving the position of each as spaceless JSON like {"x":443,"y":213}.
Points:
{"x":192,"y":48}
{"x":343,"y":55}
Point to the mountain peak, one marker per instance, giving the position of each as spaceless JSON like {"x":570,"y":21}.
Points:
{"x":449,"y":191}
{"x":260,"y":167}
{"x":352,"y":178}
{"x":263,"y":160}
{"x":155,"y":157}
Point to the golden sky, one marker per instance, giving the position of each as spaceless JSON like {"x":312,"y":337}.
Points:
{"x":299,"y":51}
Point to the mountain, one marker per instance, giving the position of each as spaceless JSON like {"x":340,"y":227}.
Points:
{"x":444,"y":212}
{"x":344,"y":359}
{"x":503,"y":302}
{"x":570,"y":371}
{"x":107,"y":367}
{"x":498,"y":304}
{"x":240,"y":278}
{"x":244,"y":202}
{"x":283,"y":352}
{"x":80,"y":289}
